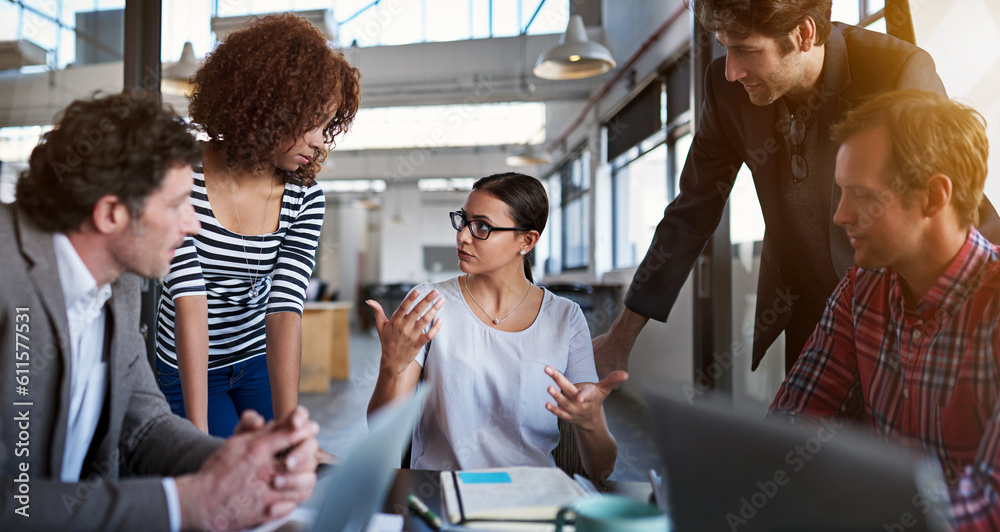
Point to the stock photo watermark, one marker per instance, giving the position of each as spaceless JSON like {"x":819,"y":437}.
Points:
{"x":22,"y":408}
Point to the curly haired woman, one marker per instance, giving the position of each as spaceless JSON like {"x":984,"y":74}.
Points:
{"x":271,"y":99}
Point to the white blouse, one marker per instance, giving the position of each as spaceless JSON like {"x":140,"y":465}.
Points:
{"x":488,"y":388}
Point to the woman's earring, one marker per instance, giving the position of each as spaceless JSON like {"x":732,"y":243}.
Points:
{"x":523,"y":252}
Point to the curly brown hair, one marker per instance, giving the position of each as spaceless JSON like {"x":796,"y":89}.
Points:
{"x":273,"y":80}
{"x":122,"y":145}
{"x":772,"y":18}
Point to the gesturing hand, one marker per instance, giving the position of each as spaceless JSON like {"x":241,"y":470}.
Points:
{"x":580,"y":404}
{"x":402,"y":335}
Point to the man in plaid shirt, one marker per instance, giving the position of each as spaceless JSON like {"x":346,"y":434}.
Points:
{"x":909,"y":341}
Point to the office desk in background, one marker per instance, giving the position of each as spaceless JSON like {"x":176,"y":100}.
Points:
{"x":325,"y":344}
{"x":427,"y":486}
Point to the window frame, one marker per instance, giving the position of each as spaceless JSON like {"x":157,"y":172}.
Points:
{"x":568,"y":194}
{"x":674,"y":128}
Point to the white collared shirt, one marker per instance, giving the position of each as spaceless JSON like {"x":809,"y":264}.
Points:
{"x":88,"y":372}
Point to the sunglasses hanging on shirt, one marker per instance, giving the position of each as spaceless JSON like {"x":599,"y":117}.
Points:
{"x":796,"y":138}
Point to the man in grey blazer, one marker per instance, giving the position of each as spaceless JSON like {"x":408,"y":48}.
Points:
{"x":788,"y":75}
{"x":105,"y":200}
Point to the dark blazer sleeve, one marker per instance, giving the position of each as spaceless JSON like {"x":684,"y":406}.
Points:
{"x":691,"y":219}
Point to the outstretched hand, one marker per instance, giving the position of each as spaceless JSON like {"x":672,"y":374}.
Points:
{"x":403,"y":334}
{"x":580,"y":404}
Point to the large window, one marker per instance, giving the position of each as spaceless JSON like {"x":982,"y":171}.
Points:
{"x":380,"y":22}
{"x":91,"y":31}
{"x":639,"y":195}
{"x":69,"y":31}
{"x":569,"y":193}
{"x":647,"y":145}
{"x":866,"y":13}
{"x":370,"y":23}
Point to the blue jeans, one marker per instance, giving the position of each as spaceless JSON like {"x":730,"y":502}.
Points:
{"x":231,"y":390}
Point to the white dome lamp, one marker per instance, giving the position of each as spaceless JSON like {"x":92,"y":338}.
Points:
{"x":529,"y":155}
{"x":575,"y":57}
{"x":177,"y":77}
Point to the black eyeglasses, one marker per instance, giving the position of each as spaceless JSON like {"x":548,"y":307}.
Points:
{"x":477,"y":229}
{"x":796,"y":137}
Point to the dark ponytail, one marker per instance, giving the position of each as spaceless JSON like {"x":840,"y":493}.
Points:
{"x":526,"y":201}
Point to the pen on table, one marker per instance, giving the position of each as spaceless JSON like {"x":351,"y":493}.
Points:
{"x":586,"y":485}
{"x":424,"y":512}
{"x":659,"y":497}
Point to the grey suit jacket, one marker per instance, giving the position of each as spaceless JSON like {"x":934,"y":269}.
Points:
{"x":137,"y":430}
{"x":859,"y":64}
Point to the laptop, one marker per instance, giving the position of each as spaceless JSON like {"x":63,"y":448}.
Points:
{"x":726,"y":471}
{"x":347,"y":498}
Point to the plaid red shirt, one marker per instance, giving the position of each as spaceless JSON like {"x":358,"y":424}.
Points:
{"x":926,"y":378}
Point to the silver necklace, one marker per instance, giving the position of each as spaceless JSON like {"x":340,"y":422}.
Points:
{"x":254,"y":289}
{"x":496,"y":321}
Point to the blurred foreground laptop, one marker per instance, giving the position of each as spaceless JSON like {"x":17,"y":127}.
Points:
{"x":739,"y":473}
{"x":346,"y":498}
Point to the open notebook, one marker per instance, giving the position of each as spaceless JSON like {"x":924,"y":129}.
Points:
{"x":517,"y":498}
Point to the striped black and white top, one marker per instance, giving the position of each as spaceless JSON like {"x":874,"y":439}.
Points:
{"x":220,"y":265}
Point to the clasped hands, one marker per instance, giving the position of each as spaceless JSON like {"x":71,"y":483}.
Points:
{"x":260,"y":473}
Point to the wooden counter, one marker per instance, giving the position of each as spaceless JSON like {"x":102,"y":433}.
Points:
{"x":325,"y":344}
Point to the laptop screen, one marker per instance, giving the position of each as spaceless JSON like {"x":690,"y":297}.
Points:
{"x":731,"y":472}
{"x":347,"y":498}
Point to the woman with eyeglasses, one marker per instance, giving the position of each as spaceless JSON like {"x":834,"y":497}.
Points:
{"x":503,"y":358}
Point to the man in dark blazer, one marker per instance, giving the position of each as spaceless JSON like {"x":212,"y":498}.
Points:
{"x":105,"y":198}
{"x":797,"y":74}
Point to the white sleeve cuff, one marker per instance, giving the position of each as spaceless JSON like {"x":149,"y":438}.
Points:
{"x":173,"y":503}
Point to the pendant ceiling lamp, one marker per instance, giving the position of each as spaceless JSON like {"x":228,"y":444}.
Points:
{"x":529,"y":155}
{"x":177,"y":77}
{"x":575,"y":57}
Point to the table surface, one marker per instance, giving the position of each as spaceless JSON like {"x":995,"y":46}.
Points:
{"x":427,"y":486}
